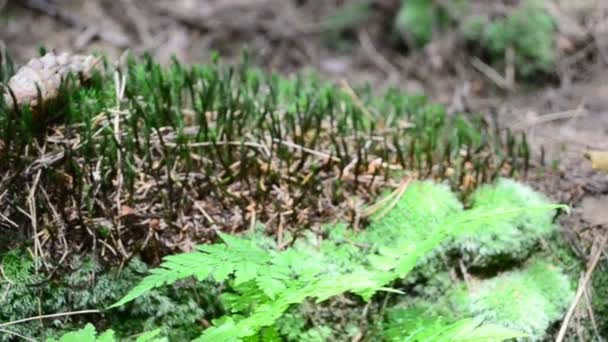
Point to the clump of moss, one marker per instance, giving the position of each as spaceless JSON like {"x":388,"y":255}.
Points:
{"x":528,"y":300}
{"x":505,"y":240}
{"x":528,"y":30}
{"x":415,"y":217}
{"x":419,"y":20}
{"x":421,"y":207}
{"x":86,"y":285}
{"x":234,"y":138}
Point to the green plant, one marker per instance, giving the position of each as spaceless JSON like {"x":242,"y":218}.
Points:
{"x":528,"y":31}
{"x":17,"y":300}
{"x":418,"y":21}
{"x":88,"y":334}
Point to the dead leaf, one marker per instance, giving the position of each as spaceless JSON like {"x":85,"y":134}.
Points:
{"x":126,"y":210}
{"x":43,"y":77}
{"x":599,"y":160}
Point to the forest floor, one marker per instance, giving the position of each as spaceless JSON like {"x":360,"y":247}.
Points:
{"x":563,"y":116}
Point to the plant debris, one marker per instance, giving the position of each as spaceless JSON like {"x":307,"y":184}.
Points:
{"x":41,"y":79}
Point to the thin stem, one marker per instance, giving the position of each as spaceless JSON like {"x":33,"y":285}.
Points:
{"x":61,"y":314}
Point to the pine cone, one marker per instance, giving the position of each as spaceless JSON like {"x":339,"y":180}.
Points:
{"x":47,"y":73}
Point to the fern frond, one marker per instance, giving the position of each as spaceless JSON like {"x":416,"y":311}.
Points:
{"x":365,"y":282}
{"x":86,"y":334}
{"x":412,"y":325}
{"x":89,"y":334}
{"x":236,"y":256}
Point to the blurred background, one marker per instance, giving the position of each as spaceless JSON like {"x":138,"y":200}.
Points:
{"x":445,"y":48}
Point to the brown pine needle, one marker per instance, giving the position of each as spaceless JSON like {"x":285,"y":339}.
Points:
{"x":395,"y":195}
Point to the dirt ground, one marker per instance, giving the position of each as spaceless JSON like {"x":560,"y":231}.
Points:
{"x":563,"y":118}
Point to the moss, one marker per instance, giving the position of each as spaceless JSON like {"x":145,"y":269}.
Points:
{"x":421,"y":207}
{"x":420,"y":20}
{"x":86,"y":285}
{"x":253,"y":130}
{"x":600,"y":300}
{"x":528,"y":300}
{"x":528,"y":30}
{"x":506,"y":240}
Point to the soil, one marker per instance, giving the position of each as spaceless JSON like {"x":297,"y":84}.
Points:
{"x":563,"y":116}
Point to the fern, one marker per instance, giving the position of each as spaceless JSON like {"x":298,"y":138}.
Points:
{"x":89,"y":334}
{"x":86,"y":334}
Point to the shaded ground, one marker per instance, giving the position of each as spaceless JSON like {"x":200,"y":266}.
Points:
{"x":562,"y":117}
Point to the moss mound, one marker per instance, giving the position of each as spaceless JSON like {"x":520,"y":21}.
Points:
{"x":528,"y":300}
{"x":506,"y":240}
{"x":211,"y":147}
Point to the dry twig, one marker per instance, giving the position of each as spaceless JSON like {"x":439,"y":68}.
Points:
{"x":581,"y":289}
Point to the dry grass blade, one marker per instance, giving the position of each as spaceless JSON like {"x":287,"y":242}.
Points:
{"x":55,"y":315}
{"x":492,"y":74}
{"x":8,"y":332}
{"x":568,"y":114}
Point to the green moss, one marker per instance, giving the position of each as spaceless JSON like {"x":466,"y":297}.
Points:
{"x":529,"y":300}
{"x":600,"y":299}
{"x":505,"y":240}
{"x":414,"y":216}
{"x":420,"y":20}
{"x":528,"y":30}
{"x":242,"y":121}
{"x":85,"y":285}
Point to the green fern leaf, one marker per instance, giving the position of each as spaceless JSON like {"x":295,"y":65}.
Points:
{"x":218,"y":260}
{"x":150,"y":336}
{"x":271,"y":286}
{"x":86,"y":334}
{"x":245,"y":273}
{"x":226,"y":331}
